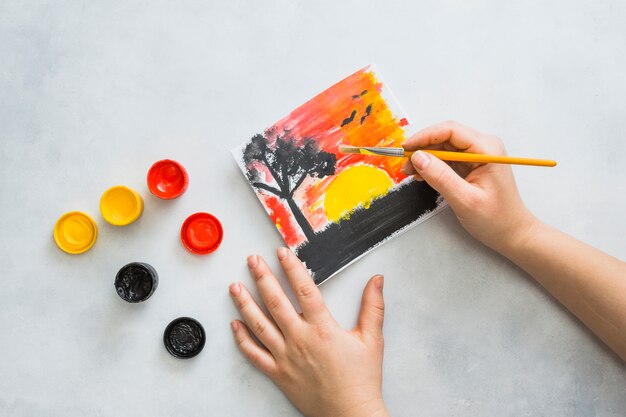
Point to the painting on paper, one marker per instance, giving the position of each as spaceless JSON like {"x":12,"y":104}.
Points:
{"x":332,"y":208}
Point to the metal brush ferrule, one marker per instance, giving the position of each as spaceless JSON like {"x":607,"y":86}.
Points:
{"x":386,"y":151}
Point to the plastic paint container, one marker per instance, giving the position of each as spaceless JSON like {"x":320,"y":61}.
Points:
{"x":120,"y":205}
{"x":201,"y":233}
{"x":184,"y":337}
{"x":75,"y":232}
{"x":136,"y":282}
{"x":167,"y":179}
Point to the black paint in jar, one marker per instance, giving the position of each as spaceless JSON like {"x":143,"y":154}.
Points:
{"x":136,"y":282}
{"x":184,"y":337}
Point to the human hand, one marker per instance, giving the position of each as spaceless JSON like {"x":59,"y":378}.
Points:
{"x":323,"y":369}
{"x":487,"y":201}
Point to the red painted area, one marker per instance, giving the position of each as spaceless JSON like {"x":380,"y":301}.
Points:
{"x":281,"y":216}
{"x":354,"y":111}
{"x":321,"y":119}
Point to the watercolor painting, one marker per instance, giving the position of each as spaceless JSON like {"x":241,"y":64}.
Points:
{"x":332,"y":208}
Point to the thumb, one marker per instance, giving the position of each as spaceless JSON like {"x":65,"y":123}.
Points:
{"x":372,"y":308}
{"x":441,"y":177}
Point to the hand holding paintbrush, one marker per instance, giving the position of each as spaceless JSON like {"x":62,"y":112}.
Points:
{"x":484,"y":197}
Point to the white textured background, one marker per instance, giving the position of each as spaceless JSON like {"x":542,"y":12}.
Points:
{"x":91,"y":93}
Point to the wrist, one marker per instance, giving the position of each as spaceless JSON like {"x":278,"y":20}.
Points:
{"x":526,"y":228}
{"x":373,"y":408}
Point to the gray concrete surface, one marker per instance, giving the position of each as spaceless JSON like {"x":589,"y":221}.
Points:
{"x":91,"y":93}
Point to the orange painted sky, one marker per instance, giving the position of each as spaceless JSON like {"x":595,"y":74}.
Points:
{"x":321,"y":119}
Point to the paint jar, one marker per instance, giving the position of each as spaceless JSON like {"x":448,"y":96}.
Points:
{"x":136,"y":282}
{"x":121,"y":205}
{"x":167,"y":179}
{"x":201,"y":233}
{"x":184,"y":338}
{"x":75,"y":232}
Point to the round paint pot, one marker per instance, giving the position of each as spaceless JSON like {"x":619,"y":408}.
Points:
{"x":75,"y":232}
{"x":184,"y":337}
{"x":120,"y":205}
{"x":167,"y":179}
{"x":136,"y":282}
{"x":201,"y":233}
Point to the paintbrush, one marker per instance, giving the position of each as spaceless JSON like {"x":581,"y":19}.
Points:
{"x":447,"y":156}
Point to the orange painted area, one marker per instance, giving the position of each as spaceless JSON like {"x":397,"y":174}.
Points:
{"x":321,"y":119}
{"x":351,"y":112}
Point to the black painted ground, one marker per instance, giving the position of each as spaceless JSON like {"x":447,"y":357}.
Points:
{"x":342,"y":242}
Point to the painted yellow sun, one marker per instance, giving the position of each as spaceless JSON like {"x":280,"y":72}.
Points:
{"x":354,"y":186}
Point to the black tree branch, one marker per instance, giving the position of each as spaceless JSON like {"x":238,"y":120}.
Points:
{"x":278,"y":179}
{"x":267,"y":188}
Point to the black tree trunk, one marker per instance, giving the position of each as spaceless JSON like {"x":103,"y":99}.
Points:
{"x":302,"y":221}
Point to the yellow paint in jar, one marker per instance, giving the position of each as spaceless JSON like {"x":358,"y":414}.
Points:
{"x":121,"y":205}
{"x":75,"y":232}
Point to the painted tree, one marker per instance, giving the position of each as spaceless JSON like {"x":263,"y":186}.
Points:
{"x":289,"y":164}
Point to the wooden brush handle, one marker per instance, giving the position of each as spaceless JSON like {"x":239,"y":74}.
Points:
{"x":485,"y":159}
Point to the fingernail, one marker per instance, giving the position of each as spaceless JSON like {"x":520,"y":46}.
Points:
{"x":282,"y":253}
{"x":235,"y":289}
{"x":253,"y":261}
{"x":380,"y":281}
{"x":420,"y":160}
{"x":234,"y":325}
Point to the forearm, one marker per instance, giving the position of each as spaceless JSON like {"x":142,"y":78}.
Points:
{"x":590,"y":283}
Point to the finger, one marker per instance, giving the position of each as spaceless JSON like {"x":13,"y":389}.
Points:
{"x":442,"y":178}
{"x":408,"y":168}
{"x":272,"y":294}
{"x":372,"y":312}
{"x":459,"y":136}
{"x":255,"y":354}
{"x":461,"y":168}
{"x":261,"y":326}
{"x":307,"y":293}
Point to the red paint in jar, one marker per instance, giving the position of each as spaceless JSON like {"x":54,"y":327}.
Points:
{"x":167,"y":179}
{"x":201,"y":233}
